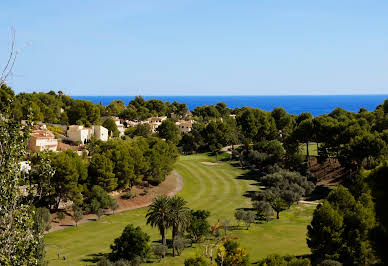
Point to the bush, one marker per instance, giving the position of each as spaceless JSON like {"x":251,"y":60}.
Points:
{"x":105,"y":262}
{"x":229,"y":253}
{"x":284,"y":261}
{"x":132,"y":243}
{"x":196,"y":261}
{"x":128,"y":195}
{"x":330,"y":263}
{"x":159,"y":251}
{"x":180,"y":244}
{"x":61,"y":216}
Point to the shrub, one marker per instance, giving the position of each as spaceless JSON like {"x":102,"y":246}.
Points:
{"x":196,"y":261}
{"x":229,"y":253}
{"x":159,"y":251}
{"x":179,"y":244}
{"x":132,"y":243}
{"x":330,"y":263}
{"x":128,"y":195}
{"x":61,"y":216}
{"x":284,"y":261}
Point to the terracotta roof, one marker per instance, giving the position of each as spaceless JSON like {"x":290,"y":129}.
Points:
{"x":42,"y":134}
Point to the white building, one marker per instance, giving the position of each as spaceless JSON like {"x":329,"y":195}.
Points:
{"x":185,"y":126}
{"x":83,"y":134}
{"x":100,"y":132}
{"x":78,"y":133}
{"x":41,"y":140}
{"x":155,"y":122}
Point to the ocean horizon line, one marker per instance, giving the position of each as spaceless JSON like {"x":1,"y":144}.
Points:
{"x":227,"y":95}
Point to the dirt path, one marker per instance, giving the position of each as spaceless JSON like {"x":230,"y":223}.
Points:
{"x":171,"y":186}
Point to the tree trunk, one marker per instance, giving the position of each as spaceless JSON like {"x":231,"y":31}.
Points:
{"x":277,"y":214}
{"x":174,"y":232}
{"x":163,"y":233}
{"x":308,"y":153}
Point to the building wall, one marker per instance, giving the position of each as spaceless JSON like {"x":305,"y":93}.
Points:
{"x":40,"y":144}
{"x":101,"y":133}
{"x":78,"y":134}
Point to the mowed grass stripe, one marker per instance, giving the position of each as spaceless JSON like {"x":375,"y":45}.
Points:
{"x":203,"y":187}
{"x":220,"y":192}
{"x":210,"y":199}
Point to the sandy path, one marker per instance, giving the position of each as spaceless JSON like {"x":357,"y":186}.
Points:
{"x":171,"y":186}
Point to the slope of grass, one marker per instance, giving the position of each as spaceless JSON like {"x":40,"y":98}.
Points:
{"x":218,"y":188}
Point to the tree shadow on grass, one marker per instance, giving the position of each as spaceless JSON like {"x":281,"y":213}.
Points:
{"x":320,"y":192}
{"x":94,"y":257}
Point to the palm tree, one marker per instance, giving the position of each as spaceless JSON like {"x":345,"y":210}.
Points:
{"x":158,"y":215}
{"x":179,"y":217}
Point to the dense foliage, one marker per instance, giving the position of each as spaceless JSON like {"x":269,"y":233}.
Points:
{"x":132,"y":243}
{"x":21,"y":237}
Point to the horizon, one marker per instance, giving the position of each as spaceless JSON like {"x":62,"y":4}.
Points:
{"x":227,"y":95}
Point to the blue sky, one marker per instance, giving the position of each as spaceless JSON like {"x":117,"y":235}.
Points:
{"x":198,"y":47}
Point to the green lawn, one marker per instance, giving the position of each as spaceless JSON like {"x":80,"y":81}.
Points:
{"x":217,"y":188}
{"x":312,"y":149}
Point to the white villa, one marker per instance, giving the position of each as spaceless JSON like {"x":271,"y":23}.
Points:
{"x":42,"y":139}
{"x":185,"y":126}
{"x":120,"y":126}
{"x":82,"y":134}
{"x":155,"y":122}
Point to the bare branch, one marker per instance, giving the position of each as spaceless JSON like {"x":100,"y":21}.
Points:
{"x":7,"y":70}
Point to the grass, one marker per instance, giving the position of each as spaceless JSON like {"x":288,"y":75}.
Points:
{"x":312,"y":148}
{"x":217,"y":188}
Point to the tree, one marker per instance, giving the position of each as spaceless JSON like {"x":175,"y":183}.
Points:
{"x":340,"y":228}
{"x":143,"y":130}
{"x":239,"y":214}
{"x":69,"y":173}
{"x":178,"y":217}
{"x":110,"y":124}
{"x":42,"y":220}
{"x":98,"y":199}
{"x":378,"y":183}
{"x":231,"y":254}
{"x":169,"y":131}
{"x":114,"y":206}
{"x":248,"y":218}
{"x":158,"y":215}
{"x":20,"y":243}
{"x":304,"y":133}
{"x":101,"y":172}
{"x":132,"y":243}
{"x":77,"y":214}
{"x":179,"y":245}
{"x":60,"y":216}
{"x":115,"y":107}
{"x":199,"y":226}
{"x":264,"y":210}
{"x":43,"y":217}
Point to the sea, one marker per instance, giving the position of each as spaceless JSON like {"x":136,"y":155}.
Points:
{"x":295,"y":104}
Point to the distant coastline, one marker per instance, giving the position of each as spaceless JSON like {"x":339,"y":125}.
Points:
{"x":294,"y":104}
